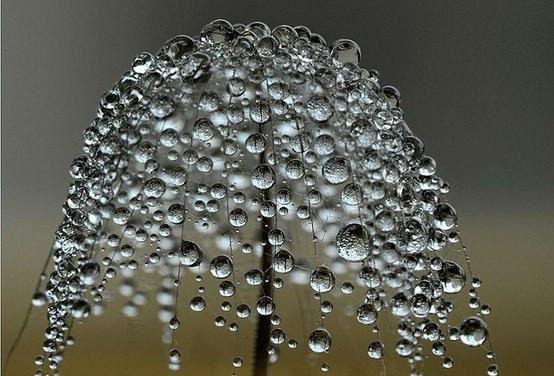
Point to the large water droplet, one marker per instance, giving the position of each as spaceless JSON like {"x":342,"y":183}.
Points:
{"x":263,"y":177}
{"x":346,"y":51}
{"x":191,"y":255}
{"x":319,"y":108}
{"x":353,"y":242}
{"x":336,"y":170}
{"x":322,"y":279}
{"x":319,"y":341}
{"x":473,"y":332}
{"x":375,"y":350}
{"x":452,"y":277}
{"x":221,"y":267}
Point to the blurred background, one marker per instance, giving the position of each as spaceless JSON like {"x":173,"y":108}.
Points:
{"x":476,"y":80}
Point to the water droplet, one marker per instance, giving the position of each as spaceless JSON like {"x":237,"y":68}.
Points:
{"x":366,"y":314}
{"x":255,"y":143}
{"x":39,"y":299}
{"x":319,"y":108}
{"x":80,"y":309}
{"x":197,"y":304}
{"x":203,"y":130}
{"x":263,"y":177}
{"x":237,"y":362}
{"x":336,"y":170}
{"x":452,"y":277}
{"x":375,"y":350}
{"x":283,"y":261}
{"x":353,"y":243}
{"x":404,"y":348}
{"x":265,"y":306}
{"x":238,"y":217}
{"x":473,"y":332}
{"x":319,"y":341}
{"x":191,"y":255}
{"x":221,"y":267}
{"x":445,"y":216}
{"x":90,"y":273}
{"x":346,"y":51}
{"x":322,"y":279}
{"x":260,"y":112}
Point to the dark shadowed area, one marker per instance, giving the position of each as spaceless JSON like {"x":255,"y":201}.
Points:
{"x":476,"y":80}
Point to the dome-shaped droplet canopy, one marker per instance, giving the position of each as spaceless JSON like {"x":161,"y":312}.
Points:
{"x":264,"y":161}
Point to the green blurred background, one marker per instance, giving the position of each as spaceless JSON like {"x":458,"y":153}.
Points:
{"x":476,"y":79}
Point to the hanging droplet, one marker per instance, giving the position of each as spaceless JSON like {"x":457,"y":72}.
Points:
{"x":366,"y":314}
{"x":283,"y":262}
{"x":336,"y":170}
{"x":265,"y":306}
{"x":90,"y":273}
{"x":322,"y":279}
{"x":452,"y":277}
{"x":319,"y":341}
{"x":346,"y":51}
{"x":263,"y":177}
{"x":353,"y":243}
{"x":190,"y":255}
{"x":473,"y":332}
{"x":221,"y":267}
{"x":319,"y":108}
{"x":375,"y":350}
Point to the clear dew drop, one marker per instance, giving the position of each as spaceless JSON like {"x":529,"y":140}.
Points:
{"x":319,"y":341}
{"x":353,"y":242}
{"x":263,"y":177}
{"x":174,"y":356}
{"x":452,"y":277}
{"x":90,"y":273}
{"x":190,"y":254}
{"x":221,"y":267}
{"x":444,"y":216}
{"x":174,"y":323}
{"x":203,"y":130}
{"x":255,"y":143}
{"x":346,"y":51}
{"x":294,"y":169}
{"x":492,"y":370}
{"x":366,"y":314}
{"x":404,"y":348}
{"x":243,"y":311}
{"x":322,"y":279}
{"x":319,"y":108}
{"x":226,"y":289}
{"x":197,"y":304}
{"x":260,"y":113}
{"x":336,"y":170}
{"x":375,"y":350}
{"x":283,"y":261}
{"x":265,"y":306}
{"x":81,"y":309}
{"x":154,"y":188}
{"x":39,"y":299}
{"x":473,"y":332}
{"x":237,"y":362}
{"x":447,"y":362}
{"x":277,"y":336}
{"x":238,"y":217}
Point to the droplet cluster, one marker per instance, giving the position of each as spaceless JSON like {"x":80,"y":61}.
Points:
{"x":261,"y":159}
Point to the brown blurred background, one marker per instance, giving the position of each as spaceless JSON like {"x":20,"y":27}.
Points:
{"x":476,"y":80}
